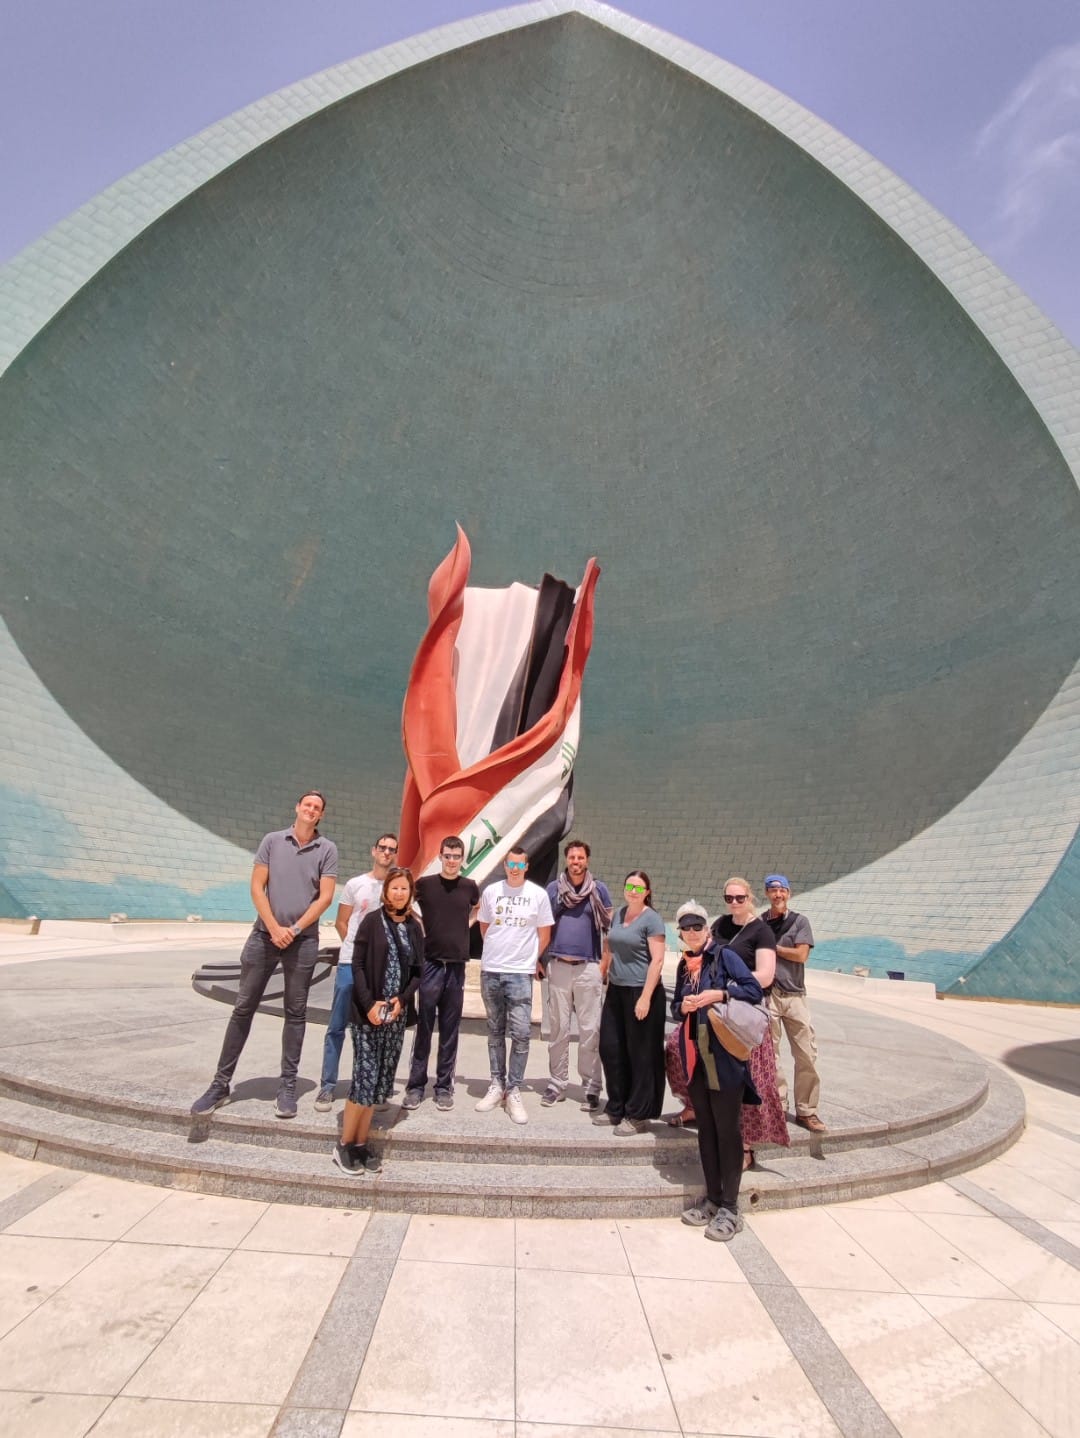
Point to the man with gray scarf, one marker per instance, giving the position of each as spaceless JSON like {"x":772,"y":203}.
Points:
{"x":582,"y":908}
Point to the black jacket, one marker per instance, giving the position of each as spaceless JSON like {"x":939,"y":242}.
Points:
{"x":720,"y":969}
{"x":370,"y":950}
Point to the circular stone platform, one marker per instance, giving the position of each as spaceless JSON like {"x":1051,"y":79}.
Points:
{"x":100,"y":1060}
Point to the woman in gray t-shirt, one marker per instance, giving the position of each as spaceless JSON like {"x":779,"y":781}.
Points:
{"x":632,"y":1021}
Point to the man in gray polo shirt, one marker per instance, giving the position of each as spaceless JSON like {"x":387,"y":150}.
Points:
{"x":292,"y":883}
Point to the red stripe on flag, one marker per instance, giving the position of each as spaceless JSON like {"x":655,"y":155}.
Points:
{"x":429,"y":713}
{"x":451,"y":801}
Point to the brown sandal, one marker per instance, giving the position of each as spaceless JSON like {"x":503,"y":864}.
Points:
{"x":680,"y":1120}
{"x":747,"y":1159}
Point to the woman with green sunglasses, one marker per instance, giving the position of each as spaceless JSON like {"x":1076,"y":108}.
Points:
{"x":632,"y":1020}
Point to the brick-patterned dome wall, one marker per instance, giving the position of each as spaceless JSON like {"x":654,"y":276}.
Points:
{"x":554,"y":287}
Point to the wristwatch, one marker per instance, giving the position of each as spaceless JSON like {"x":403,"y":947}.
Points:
{"x":294,"y":929}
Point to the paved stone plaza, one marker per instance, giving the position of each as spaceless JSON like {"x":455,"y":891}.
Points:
{"x":128,"y":1308}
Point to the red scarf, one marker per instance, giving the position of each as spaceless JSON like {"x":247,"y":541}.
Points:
{"x":693,"y":976}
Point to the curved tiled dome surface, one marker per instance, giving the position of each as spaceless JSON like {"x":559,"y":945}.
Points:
{"x":553,"y":286}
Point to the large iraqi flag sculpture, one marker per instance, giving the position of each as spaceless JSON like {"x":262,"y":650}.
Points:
{"x":492,"y":716}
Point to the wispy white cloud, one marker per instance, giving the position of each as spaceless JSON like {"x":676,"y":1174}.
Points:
{"x":1032,"y":143}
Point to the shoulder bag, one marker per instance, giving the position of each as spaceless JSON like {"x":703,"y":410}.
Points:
{"x":740,"y":1027}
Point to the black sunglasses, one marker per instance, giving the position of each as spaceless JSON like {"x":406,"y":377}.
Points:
{"x":694,"y":925}
{"x":736,"y":898}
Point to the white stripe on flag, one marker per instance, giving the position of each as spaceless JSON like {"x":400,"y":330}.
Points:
{"x":490,"y":835}
{"x":494,"y":637}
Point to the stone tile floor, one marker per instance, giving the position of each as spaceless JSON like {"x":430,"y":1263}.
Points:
{"x":132,"y":1310}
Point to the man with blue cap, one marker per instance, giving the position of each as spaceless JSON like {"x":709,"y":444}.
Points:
{"x":788,"y":1010}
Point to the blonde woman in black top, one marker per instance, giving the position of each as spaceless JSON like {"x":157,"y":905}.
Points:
{"x":750,"y":936}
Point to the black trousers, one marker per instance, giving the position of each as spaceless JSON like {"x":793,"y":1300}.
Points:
{"x":441,"y":997}
{"x":258,"y":960}
{"x":632,"y":1053}
{"x":719,"y":1138}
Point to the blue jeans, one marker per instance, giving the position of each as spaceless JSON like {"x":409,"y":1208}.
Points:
{"x":340,"y":1009}
{"x":508,"y":1005}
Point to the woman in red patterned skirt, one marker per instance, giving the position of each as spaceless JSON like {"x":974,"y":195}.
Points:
{"x":752,"y":939}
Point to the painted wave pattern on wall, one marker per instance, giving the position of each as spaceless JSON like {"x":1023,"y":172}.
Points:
{"x":80,"y":839}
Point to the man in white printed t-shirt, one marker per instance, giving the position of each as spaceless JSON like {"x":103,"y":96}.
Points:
{"x":360,"y":895}
{"x":516,"y":922}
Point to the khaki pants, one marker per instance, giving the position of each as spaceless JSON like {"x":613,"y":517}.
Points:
{"x":574,"y":988}
{"x":791,"y":1013}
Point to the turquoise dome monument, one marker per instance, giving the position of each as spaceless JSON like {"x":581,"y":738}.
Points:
{"x":587,"y":290}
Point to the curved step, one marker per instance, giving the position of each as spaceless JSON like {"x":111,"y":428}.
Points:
{"x":423,"y":1135}
{"x":786,"y":1179}
{"x":100,"y":1060}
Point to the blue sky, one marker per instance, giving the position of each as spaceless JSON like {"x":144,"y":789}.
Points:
{"x":974,"y":102}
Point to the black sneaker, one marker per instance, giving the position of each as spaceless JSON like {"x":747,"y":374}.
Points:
{"x":213,"y":1098}
{"x":414,"y":1097}
{"x":345,"y":1157}
{"x":324,"y":1101}
{"x":285,"y":1107}
{"x":552,"y":1095}
{"x":590,"y":1103}
{"x":367,"y":1162}
{"x":444,"y":1102}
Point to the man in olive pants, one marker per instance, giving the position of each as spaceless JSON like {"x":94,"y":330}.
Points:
{"x":788,"y":1010}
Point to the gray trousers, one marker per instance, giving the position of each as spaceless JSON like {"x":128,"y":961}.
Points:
{"x":574,"y":988}
{"x":259,"y":959}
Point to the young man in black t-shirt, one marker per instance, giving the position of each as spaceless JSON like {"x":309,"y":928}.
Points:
{"x":447,"y":906}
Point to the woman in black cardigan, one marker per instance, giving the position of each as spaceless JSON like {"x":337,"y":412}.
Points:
{"x":388,"y":954}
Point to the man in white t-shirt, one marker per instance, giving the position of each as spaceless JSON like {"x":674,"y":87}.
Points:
{"x":516,"y":922}
{"x":360,"y":895}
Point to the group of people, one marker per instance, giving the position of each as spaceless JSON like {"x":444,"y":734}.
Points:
{"x":405,"y":946}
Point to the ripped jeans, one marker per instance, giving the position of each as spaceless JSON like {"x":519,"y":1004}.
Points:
{"x":508,"y":1005}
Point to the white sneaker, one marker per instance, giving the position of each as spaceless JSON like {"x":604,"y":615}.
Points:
{"x":515,"y":1108}
{"x":492,"y":1099}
